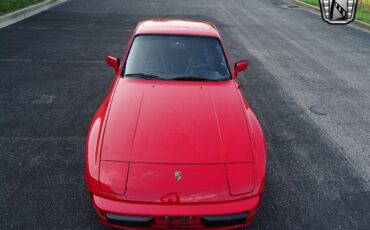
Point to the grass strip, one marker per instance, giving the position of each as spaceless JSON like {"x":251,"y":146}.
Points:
{"x":7,"y":6}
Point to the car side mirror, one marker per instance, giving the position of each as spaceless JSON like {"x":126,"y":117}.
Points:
{"x":113,"y":62}
{"x":240,"y":67}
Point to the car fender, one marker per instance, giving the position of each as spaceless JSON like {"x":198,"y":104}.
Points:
{"x":259,"y":150}
{"x":92,"y":148}
{"x":95,"y":133}
{"x":258,"y":146}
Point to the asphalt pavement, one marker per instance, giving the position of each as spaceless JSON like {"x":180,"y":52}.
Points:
{"x":308,"y":82}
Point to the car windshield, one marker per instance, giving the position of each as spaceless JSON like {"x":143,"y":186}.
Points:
{"x":177,"y":58}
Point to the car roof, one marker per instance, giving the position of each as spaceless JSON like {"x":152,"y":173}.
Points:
{"x":177,"y":26}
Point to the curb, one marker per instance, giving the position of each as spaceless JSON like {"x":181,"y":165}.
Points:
{"x":355,"y":23}
{"x":29,"y":11}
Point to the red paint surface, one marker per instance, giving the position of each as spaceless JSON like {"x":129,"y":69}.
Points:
{"x":176,"y":122}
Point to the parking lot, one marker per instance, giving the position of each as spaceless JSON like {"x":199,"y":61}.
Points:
{"x":308,"y":82}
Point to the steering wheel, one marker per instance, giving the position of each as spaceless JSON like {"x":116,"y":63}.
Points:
{"x":203,"y":67}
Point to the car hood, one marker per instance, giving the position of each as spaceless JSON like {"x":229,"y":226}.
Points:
{"x":176,"y":122}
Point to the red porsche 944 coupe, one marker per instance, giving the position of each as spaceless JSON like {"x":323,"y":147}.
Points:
{"x":174,"y":144}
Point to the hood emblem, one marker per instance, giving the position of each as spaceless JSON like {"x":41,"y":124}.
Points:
{"x":178,"y":175}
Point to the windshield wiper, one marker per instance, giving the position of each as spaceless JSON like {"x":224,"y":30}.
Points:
{"x":192,"y":78}
{"x":145,"y":76}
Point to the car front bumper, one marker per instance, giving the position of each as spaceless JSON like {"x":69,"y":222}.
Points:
{"x":130,"y":215}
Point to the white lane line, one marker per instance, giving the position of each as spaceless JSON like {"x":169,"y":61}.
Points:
{"x":42,"y":138}
{"x":68,"y":28}
{"x":51,"y":61}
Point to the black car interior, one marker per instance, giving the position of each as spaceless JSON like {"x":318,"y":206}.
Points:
{"x":177,"y":56}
